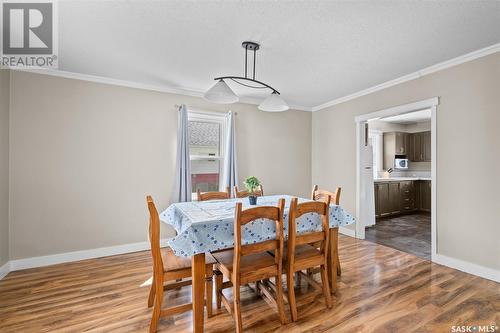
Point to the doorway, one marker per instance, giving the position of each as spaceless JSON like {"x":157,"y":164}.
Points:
{"x":396,"y":177}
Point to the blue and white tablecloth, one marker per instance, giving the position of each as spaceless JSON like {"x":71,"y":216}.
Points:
{"x":209,"y":225}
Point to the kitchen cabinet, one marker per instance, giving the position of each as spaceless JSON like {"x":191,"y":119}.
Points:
{"x":395,"y":143}
{"x":394,"y":198}
{"x":402,"y":197}
{"x":424,"y":189}
{"x":419,"y":147}
{"x":382,"y":207}
{"x":426,"y":144}
{"x":415,"y":146}
{"x":407,"y":196}
{"x":387,"y":199}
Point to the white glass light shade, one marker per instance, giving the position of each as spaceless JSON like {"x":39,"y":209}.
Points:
{"x":274,"y":103}
{"x":221,"y":93}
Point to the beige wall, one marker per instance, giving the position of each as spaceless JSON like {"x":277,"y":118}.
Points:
{"x":84,"y":155}
{"x":468,"y":154}
{"x":4,"y":165}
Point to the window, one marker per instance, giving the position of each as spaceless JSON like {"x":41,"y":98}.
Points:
{"x":376,"y":141}
{"x":207,"y":132}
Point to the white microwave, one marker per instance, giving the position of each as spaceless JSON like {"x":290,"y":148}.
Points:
{"x":401,"y":163}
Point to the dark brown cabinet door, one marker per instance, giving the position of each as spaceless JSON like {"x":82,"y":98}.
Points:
{"x":400,"y":143}
{"x":394,"y":198}
{"x":409,"y":146}
{"x":420,"y":147}
{"x":426,"y":146}
{"x":383,"y":199}
{"x":417,"y":147}
{"x":418,"y":195}
{"x":426,"y":195}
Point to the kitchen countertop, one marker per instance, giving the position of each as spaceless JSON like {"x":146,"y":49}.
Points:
{"x":398,"y":179}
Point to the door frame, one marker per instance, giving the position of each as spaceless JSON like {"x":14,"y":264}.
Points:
{"x":361,"y":120}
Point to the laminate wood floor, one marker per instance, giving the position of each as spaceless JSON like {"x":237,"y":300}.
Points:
{"x":407,"y":233}
{"x":381,"y":290}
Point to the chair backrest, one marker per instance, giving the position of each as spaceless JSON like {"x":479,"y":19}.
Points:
{"x":243,"y":217}
{"x":319,"y":194}
{"x":245,"y":193}
{"x":315,"y":238}
{"x":205,"y":196}
{"x":154,"y":239}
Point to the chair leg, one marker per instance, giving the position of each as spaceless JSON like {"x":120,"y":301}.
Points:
{"x":326,"y":286}
{"x":218,"y":289}
{"x":237,"y":309}
{"x":298,"y":279}
{"x":156,"y":310}
{"x":291,"y":295}
{"x":339,"y":271}
{"x":208,"y":289}
{"x":151,"y":298}
{"x":279,"y":299}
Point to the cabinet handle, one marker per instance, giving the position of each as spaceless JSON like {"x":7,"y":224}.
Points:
{"x":407,"y":191}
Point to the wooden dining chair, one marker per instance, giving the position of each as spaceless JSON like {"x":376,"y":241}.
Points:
{"x":205,"y":196}
{"x":169,"y":268}
{"x":302,"y":251}
{"x":245,"y":193}
{"x":252,"y":262}
{"x":319,"y":194}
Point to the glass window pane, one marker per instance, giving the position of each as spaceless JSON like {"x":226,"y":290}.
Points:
{"x":204,"y":138}
{"x":205,"y":175}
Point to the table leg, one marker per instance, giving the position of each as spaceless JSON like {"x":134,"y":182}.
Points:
{"x":333,"y":259}
{"x":198,"y":290}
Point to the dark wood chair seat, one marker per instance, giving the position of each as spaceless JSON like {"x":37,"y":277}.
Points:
{"x":251,"y":266}
{"x":306,"y":255}
{"x":173,"y":264}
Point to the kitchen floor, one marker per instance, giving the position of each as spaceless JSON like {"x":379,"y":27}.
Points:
{"x":407,"y":233}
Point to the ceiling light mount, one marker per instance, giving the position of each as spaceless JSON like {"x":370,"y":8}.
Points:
{"x":247,"y":45}
{"x":221,"y":93}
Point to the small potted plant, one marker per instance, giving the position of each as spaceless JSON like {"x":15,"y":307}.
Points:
{"x":252,"y":184}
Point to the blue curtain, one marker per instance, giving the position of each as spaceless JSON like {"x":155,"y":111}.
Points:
{"x":230,"y":176}
{"x":183,"y":168}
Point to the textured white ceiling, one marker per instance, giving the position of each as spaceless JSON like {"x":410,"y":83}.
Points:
{"x":312,"y":52}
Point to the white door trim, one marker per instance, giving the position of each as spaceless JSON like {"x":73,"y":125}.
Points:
{"x":360,"y":120}
{"x":400,"y":109}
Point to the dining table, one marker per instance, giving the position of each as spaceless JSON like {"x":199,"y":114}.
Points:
{"x":208,"y":226}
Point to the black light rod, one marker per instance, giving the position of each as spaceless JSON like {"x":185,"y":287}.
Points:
{"x":247,"y":79}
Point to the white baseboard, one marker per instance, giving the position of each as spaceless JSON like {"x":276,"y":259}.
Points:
{"x":347,"y":232}
{"x":60,"y":258}
{"x":4,"y":270}
{"x":467,"y":267}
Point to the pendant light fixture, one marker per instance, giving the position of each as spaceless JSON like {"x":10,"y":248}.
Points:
{"x":221,"y":93}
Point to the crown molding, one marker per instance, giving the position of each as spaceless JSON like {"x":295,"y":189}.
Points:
{"x":197,"y":93}
{"x":138,"y":85}
{"x":426,"y":71}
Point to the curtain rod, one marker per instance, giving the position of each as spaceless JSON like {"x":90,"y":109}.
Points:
{"x":177,"y":106}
